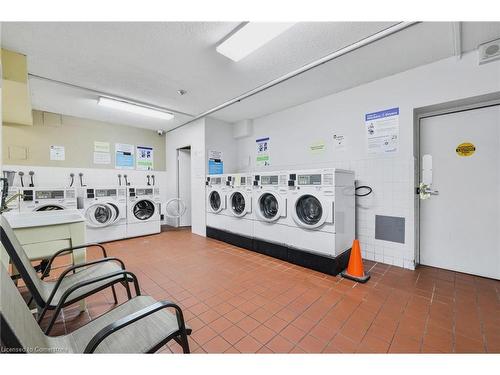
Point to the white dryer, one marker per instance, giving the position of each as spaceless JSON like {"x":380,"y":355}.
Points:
{"x":47,"y":199}
{"x":216,"y":201}
{"x":239,"y":213}
{"x":321,"y":207}
{"x":105,"y":212}
{"x":143,"y":211}
{"x":270,"y":206}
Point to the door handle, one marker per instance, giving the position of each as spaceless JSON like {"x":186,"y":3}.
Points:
{"x":425,"y":191}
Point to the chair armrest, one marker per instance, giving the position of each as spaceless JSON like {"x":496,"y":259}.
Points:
{"x":129,"y":319}
{"x":75,"y":267}
{"x":68,"y":250}
{"x":81,"y":284}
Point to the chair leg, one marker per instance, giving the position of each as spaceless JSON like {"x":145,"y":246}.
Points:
{"x":184,"y":342}
{"x":127,"y":287}
{"x":114,"y":294}
{"x":53,"y":320}
{"x":42,"y":314}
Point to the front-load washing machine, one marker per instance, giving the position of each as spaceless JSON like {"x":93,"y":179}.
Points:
{"x":270,"y":208}
{"x":143,"y":211}
{"x":321,"y":208}
{"x":216,"y":201}
{"x":105,"y":212}
{"x":47,"y":199}
{"x":239,"y":213}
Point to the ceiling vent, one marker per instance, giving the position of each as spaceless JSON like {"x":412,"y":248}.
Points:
{"x":489,"y":51}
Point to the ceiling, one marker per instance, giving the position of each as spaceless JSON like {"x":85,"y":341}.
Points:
{"x":149,"y":62}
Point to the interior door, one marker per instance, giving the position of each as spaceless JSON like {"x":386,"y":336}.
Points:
{"x":460,"y":204}
{"x":184,"y":181}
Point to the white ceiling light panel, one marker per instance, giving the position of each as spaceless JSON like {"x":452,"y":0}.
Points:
{"x":251,"y":37}
{"x":134,"y":108}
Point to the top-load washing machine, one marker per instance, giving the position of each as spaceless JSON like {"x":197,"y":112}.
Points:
{"x":321,"y":208}
{"x":239,"y":213}
{"x":47,"y":199}
{"x":270,"y":208}
{"x":143,"y":211}
{"x":216,"y":200}
{"x":105,"y":212}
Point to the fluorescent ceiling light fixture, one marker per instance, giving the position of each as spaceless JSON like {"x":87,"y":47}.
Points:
{"x":251,"y":37}
{"x":134,"y":108}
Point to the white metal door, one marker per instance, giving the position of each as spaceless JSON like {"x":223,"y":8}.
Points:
{"x":460,"y":217}
{"x":184,"y":188}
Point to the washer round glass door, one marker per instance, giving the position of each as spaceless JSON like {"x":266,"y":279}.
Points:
{"x":269,"y":206}
{"x":143,"y":210}
{"x":215,"y":201}
{"x":101,"y":215}
{"x":309,"y":211}
{"x":238,"y":204}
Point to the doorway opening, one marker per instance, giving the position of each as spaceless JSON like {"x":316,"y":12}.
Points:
{"x":184,"y":184}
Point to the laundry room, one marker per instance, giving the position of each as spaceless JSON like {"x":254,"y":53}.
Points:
{"x":248,"y":186}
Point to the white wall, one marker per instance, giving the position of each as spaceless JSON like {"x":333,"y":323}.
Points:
{"x":219,"y":137}
{"x":392,"y":176}
{"x":190,"y":135}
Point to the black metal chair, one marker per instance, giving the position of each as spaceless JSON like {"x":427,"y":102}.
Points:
{"x":139,"y":325}
{"x":74,"y":284}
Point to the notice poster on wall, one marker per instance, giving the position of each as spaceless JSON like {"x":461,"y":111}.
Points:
{"x":101,"y":146}
{"x":144,"y":158}
{"x":262,"y":158}
{"x":57,"y":153}
{"x":382,"y":131}
{"x":102,"y":158}
{"x":318,"y":147}
{"x":215,"y":162}
{"x":124,"y":156}
{"x":339,"y":142}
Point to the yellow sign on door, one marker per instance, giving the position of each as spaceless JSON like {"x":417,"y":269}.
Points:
{"x":465,"y":149}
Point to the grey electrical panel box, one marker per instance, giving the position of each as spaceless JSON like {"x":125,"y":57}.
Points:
{"x":390,"y":228}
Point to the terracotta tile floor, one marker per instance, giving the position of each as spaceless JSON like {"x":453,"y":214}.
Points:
{"x":238,"y":301}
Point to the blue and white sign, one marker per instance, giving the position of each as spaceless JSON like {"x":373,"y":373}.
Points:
{"x":124,"y":156}
{"x":382,"y":131}
{"x":215,"y":166}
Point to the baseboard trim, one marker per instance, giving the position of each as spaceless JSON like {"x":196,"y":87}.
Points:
{"x":330,"y":266}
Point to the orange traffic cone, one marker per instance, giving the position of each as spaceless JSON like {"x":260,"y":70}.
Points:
{"x":355,"y":270}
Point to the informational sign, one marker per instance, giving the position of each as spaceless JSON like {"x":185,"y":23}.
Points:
{"x":102,"y":158}
{"x":215,"y":166}
{"x":124,"y":156}
{"x":465,"y":149}
{"x":215,"y":162}
{"x":317,"y":147}
{"x":101,"y":146}
{"x":57,"y":153}
{"x":144,"y":158}
{"x":262,"y":158}
{"x":339,"y":142}
{"x":213,"y":154}
{"x":382,"y":131}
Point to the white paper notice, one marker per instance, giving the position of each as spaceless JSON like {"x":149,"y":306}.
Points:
{"x":382,"y":131}
{"x":213,"y":154}
{"x":262,"y":158}
{"x":102,"y":157}
{"x":57,"y":153}
{"x":339,"y":142}
{"x":102,"y":146}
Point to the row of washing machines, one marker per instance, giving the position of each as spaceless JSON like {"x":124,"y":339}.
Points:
{"x":310,"y":211}
{"x":111,"y":213}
